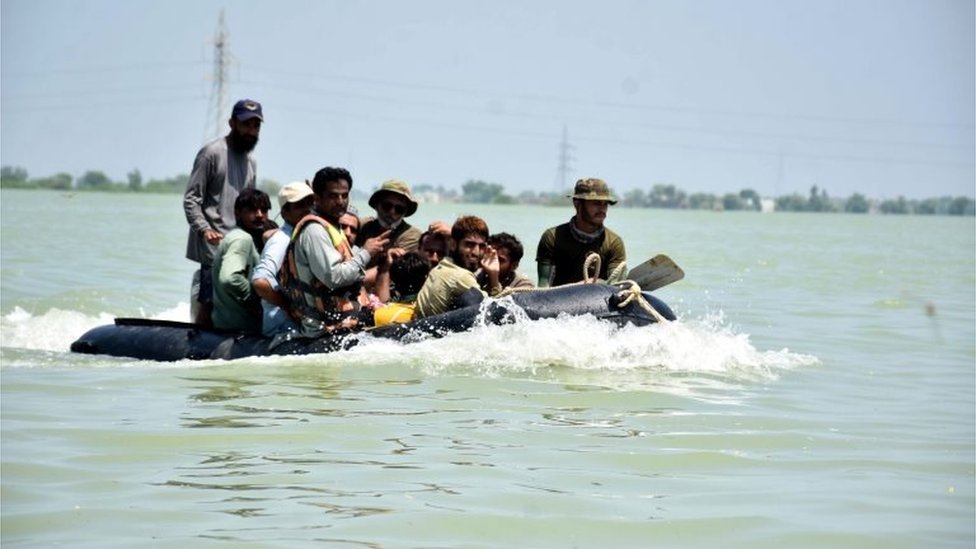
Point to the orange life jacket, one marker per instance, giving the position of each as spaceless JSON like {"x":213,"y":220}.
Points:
{"x":332,"y":306}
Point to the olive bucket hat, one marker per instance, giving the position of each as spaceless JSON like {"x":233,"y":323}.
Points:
{"x":592,"y":189}
{"x":394,"y":186}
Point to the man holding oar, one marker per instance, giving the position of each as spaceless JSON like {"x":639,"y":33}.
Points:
{"x":563,"y":249}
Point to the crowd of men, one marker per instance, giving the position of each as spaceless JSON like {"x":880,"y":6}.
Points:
{"x":327,"y":269}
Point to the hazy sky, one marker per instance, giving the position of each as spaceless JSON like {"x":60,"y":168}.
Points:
{"x":870,"y":96}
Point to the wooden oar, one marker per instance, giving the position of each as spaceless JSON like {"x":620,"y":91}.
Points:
{"x":657,"y":272}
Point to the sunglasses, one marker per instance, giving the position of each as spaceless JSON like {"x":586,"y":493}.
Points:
{"x":398,"y":208}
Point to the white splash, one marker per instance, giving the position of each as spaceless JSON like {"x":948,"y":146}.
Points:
{"x":623,"y":357}
{"x":694,"y":357}
{"x":56,"y":329}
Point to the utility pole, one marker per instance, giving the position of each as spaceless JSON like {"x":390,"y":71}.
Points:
{"x":563,"y":170}
{"x":217,"y":114}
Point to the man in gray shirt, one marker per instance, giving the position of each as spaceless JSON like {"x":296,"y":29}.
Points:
{"x":325,"y":289}
{"x":222,"y":169}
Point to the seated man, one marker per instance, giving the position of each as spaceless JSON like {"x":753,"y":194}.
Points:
{"x":563,"y":249}
{"x":393,"y":203}
{"x":435,"y":245}
{"x":454,"y":276}
{"x":295,"y":200}
{"x":236,"y":306}
{"x":323,"y":273}
{"x":408,"y":272}
{"x":510,"y":252}
{"x":372,"y":295}
{"x":349,"y":224}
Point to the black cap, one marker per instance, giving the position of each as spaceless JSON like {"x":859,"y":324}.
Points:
{"x":245,"y":109}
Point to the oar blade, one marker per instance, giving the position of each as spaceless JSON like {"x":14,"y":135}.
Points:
{"x":657,"y":272}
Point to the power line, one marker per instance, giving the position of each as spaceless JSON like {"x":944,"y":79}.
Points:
{"x":217,"y":109}
{"x":96,"y":69}
{"x":105,"y":91}
{"x":223,"y":58}
{"x":107,"y":104}
{"x":549,"y":99}
{"x":400,"y":100}
{"x":414,"y":122}
{"x":467,"y":92}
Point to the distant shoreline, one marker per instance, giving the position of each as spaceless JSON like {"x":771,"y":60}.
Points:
{"x":857,"y":203}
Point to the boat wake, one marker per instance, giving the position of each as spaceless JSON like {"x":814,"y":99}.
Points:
{"x":691,"y":355}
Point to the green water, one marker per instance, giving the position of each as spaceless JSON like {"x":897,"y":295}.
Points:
{"x":817,"y":391}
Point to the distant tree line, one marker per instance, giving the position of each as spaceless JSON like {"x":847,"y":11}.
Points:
{"x":476,"y":191}
{"x":670,"y":197}
{"x":17,"y":178}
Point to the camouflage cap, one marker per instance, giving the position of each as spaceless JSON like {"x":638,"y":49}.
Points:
{"x":394,"y":186}
{"x":592,"y":188}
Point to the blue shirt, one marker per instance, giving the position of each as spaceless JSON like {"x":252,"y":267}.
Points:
{"x":274,"y":320}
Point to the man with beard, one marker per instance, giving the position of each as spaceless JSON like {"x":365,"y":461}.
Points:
{"x":563,"y":249}
{"x":236,"y":306}
{"x":393,"y":203}
{"x":323,"y":272}
{"x":221,"y":170}
{"x":452,"y":282}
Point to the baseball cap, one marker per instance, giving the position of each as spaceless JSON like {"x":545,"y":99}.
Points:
{"x":246,"y":109}
{"x":295,"y":191}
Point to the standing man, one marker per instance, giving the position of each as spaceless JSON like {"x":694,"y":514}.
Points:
{"x":328,"y":272}
{"x":453,"y":279}
{"x":221,"y":170}
{"x":393,"y":203}
{"x":563,"y":249}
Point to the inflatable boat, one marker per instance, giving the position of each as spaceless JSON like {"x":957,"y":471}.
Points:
{"x":163,"y":340}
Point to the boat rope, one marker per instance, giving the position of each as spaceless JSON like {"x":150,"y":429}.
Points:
{"x":617,"y":275}
{"x":592,"y":259}
{"x":631,"y":291}
{"x":510,"y":290}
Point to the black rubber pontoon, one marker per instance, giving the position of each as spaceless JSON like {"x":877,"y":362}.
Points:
{"x":164,"y":340}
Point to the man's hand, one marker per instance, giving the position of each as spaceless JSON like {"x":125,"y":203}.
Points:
{"x":489,"y":261}
{"x":387,"y":259}
{"x":212,"y":236}
{"x":491,"y":266}
{"x":377,"y":244}
{"x":440,"y":227}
